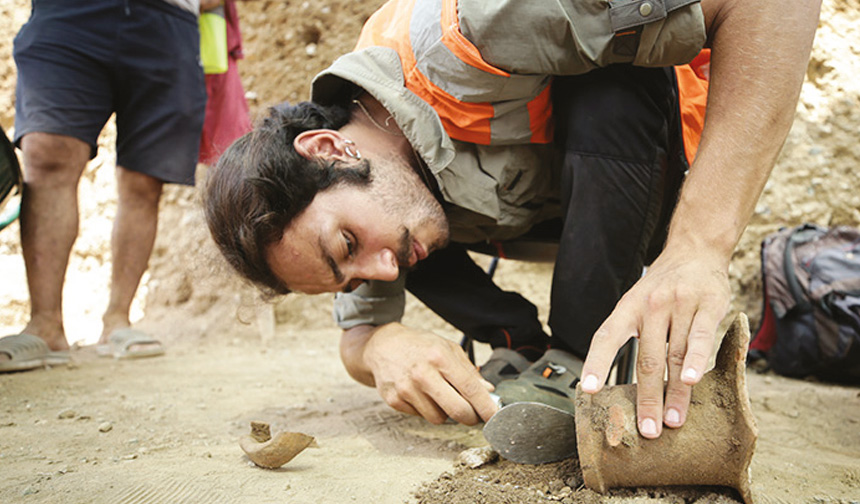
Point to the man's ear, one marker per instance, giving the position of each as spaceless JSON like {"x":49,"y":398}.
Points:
{"x":321,"y":144}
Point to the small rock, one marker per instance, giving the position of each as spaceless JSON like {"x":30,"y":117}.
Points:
{"x":474,"y":458}
{"x":105,"y":427}
{"x":66,"y":414}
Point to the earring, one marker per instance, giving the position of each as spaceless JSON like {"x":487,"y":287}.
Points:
{"x":351,"y":150}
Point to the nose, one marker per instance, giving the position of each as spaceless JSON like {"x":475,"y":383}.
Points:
{"x":380,"y":265}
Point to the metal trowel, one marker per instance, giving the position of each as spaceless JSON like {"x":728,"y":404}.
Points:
{"x":532,"y":433}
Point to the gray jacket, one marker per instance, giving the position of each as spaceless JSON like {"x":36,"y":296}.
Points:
{"x":498,"y":189}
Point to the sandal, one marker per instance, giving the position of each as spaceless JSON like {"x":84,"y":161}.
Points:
{"x":27,"y":351}
{"x":128,"y":343}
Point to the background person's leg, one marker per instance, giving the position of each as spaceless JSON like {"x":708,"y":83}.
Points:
{"x":160,"y":104}
{"x":53,"y":164}
{"x":622,"y":168}
{"x":62,"y":101}
{"x":133,"y":236}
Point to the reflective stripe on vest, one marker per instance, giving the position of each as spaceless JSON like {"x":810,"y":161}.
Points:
{"x":693,"y":98}
{"x":482,"y":104}
{"x":476,"y":102}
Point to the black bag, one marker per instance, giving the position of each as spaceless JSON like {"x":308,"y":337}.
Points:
{"x":811,"y":311}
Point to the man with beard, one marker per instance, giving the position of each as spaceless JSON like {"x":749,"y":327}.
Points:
{"x":463,"y":123}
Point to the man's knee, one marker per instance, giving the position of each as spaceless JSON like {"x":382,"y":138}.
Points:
{"x":51,"y":159}
{"x":618,"y":112}
{"x":138,"y":186}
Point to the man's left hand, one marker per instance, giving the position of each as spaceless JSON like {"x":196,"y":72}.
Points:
{"x":681,"y":300}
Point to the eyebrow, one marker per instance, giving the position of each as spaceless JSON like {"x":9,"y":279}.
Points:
{"x":332,"y":264}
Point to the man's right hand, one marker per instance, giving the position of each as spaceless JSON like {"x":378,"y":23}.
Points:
{"x":418,"y":372}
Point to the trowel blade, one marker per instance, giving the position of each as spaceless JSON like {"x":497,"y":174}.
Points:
{"x":532,"y":433}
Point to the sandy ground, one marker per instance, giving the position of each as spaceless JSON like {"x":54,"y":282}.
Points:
{"x":166,"y":429}
{"x":174,"y":424}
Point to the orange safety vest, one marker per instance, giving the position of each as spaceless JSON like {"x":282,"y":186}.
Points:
{"x":693,"y":99}
{"x":473,"y":122}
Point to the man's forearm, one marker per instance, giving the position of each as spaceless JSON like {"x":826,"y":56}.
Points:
{"x":760,"y":51}
{"x":352,"y":344}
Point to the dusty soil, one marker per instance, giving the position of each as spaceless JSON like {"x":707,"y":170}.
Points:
{"x":166,"y":429}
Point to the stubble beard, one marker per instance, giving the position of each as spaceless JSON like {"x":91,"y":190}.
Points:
{"x":404,"y":194}
{"x":401,"y":192}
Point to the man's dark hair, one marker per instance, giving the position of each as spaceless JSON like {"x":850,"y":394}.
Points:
{"x":260,"y":184}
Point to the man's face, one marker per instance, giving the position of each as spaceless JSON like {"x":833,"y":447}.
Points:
{"x":350,"y":234}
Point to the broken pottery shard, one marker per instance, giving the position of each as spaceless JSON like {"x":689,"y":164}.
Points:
{"x":273,"y":452}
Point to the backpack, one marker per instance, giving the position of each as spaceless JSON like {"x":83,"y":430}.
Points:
{"x":811,"y":303}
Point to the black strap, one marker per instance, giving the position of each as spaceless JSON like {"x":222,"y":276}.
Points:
{"x":799,"y":236}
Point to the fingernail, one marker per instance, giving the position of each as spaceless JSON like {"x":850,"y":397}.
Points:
{"x":589,"y":383}
{"x":648,"y":427}
{"x":690,"y":374}
{"x":673,"y":417}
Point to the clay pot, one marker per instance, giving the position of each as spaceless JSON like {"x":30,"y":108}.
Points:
{"x":714,"y":447}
